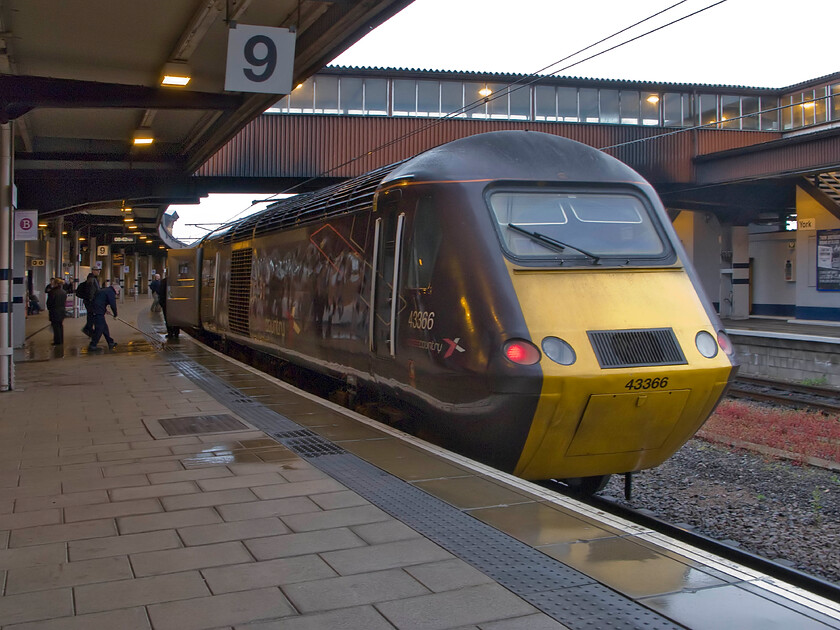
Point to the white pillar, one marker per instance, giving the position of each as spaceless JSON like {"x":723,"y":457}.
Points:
{"x":726,"y":295}
{"x":6,"y":246}
{"x":740,"y":272}
{"x":135,"y":275}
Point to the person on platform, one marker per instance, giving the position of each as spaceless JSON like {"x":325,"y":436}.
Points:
{"x":154,"y":287}
{"x":86,"y":291}
{"x":57,"y":309}
{"x":171,"y":331}
{"x":102,"y":300}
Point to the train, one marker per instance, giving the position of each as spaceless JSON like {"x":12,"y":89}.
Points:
{"x":521,"y":297}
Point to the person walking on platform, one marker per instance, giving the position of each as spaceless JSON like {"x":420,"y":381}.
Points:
{"x":86,"y":292}
{"x":56,"y":306}
{"x":102,"y":300}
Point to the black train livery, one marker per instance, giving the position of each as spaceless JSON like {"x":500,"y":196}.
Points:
{"x":523,"y":296}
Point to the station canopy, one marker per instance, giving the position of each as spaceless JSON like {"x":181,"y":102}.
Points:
{"x":81,"y":80}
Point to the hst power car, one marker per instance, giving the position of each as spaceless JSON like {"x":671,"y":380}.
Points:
{"x":520,"y":296}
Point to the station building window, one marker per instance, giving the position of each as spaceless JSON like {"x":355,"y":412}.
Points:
{"x":474,"y":102}
{"x":376,"y":96}
{"x":676,"y":110}
{"x":428,"y":98}
{"x":609,"y":106}
{"x":352,"y":96}
{"x":545,"y":103}
{"x":451,"y":97}
{"x":405,"y":97}
{"x":835,"y":101}
{"x":302,"y":98}
{"x":497,"y":103}
{"x":326,"y":95}
{"x":708,"y":109}
{"x":567,"y":104}
{"x":749,"y":112}
{"x":630,"y":107}
{"x":769,"y":113}
{"x":519,"y":100}
{"x":589,"y":110}
{"x":730,"y":111}
{"x":650,"y":108}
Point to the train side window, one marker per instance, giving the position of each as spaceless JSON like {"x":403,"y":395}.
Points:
{"x":424,"y":246}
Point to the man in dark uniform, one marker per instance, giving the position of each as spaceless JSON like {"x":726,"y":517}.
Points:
{"x":171,"y":331}
{"x":56,"y":306}
{"x":87,"y":291}
{"x":102,"y":300}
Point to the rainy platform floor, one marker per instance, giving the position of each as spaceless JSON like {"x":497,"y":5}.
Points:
{"x":163,"y":486}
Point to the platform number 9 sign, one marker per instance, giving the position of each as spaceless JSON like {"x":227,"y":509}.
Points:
{"x":260,"y":59}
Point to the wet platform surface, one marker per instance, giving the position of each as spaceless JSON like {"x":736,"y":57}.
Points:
{"x":164,"y":486}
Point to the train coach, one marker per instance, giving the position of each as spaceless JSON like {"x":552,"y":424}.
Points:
{"x":520,"y":296}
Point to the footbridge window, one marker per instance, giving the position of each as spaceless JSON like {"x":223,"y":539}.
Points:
{"x":555,"y":100}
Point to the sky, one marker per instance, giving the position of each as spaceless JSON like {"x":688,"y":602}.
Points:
{"x":758,"y":43}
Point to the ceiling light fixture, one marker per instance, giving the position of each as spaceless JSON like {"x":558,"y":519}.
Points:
{"x":143,"y":137}
{"x":175,"y":74}
{"x":653,"y":99}
{"x":485,"y":91}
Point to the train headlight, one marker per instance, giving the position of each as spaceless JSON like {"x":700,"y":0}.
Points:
{"x":706,"y":344}
{"x":521,"y":352}
{"x":558,"y":351}
{"x":725,"y":343}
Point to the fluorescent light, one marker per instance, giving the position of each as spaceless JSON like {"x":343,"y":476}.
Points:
{"x":143,"y":137}
{"x":175,"y":74}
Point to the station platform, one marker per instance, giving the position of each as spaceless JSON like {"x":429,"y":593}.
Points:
{"x":791,"y":350}
{"x":160,"y":485}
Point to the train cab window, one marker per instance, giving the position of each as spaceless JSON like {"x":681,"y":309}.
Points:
{"x":423,"y":247}
{"x":576,"y":228}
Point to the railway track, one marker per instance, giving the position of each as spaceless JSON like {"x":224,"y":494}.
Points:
{"x":799,"y":579}
{"x":787,"y":394}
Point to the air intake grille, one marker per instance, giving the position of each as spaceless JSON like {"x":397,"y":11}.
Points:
{"x":633,"y":348}
{"x":239,"y":299}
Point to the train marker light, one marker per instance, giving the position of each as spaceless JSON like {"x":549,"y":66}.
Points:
{"x":558,"y":351}
{"x":724,"y":343}
{"x":706,"y":344}
{"x":521,"y":352}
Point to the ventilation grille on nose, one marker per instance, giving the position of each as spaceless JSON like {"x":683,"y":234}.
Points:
{"x":633,"y":348}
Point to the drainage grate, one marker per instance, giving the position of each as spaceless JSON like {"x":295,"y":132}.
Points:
{"x":307,"y":444}
{"x":201,"y":424}
{"x":563,"y":593}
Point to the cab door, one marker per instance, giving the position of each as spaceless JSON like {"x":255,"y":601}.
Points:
{"x":385,"y":300}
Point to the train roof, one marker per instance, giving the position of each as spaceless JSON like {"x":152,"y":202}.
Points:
{"x":497,"y":155}
{"x":515,"y":155}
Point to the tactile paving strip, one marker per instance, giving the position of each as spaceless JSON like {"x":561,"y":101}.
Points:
{"x":561,"y":592}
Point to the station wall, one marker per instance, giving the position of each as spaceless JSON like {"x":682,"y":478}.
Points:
{"x":811,"y":303}
{"x":772,"y":282}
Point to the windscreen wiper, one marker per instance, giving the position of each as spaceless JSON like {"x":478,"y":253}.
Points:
{"x":553,"y":242}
